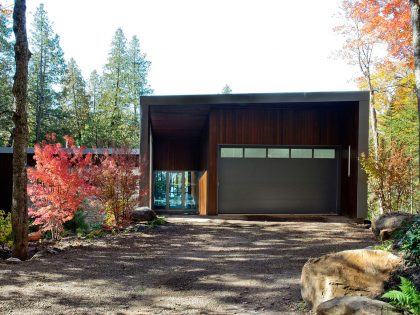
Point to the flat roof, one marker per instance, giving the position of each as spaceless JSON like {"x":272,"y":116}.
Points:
{"x":295,"y":97}
{"x":100,"y":151}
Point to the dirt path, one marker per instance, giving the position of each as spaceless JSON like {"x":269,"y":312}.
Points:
{"x":194,"y":267}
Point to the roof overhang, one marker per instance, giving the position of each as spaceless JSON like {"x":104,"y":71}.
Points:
{"x":257,"y":98}
{"x":186,"y":115}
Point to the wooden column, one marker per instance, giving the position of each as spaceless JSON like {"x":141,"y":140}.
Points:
{"x":145,"y":199}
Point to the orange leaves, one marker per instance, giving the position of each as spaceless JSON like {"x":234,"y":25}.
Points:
{"x":389,"y":176}
{"x":5,"y":11}
{"x":117,"y":180}
{"x":58,"y":184}
{"x":390,"y":20}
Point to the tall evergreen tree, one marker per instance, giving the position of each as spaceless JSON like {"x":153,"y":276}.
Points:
{"x":47,"y":68}
{"x":114,"y":102}
{"x":94,"y":94}
{"x":138,"y":68}
{"x":75,"y":101}
{"x":6,"y":74}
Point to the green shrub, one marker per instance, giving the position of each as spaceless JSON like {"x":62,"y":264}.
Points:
{"x":5,"y":229}
{"x":95,"y":233}
{"x":155,"y":222}
{"x":410,"y":243}
{"x":407,"y":298}
{"x":78,"y":224}
{"x":385,"y":245}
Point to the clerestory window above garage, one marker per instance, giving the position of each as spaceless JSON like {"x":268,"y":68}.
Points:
{"x":278,"y":152}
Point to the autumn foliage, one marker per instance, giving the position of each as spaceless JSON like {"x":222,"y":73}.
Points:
{"x":389,"y":20}
{"x":64,"y":177}
{"x":117,"y":181}
{"x":390,"y":176}
{"x":58,"y":184}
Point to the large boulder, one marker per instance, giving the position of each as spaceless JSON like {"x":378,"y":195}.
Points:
{"x":355,"y":305}
{"x":34,"y":236}
{"x":387,"y":223}
{"x":142,"y":214}
{"x":360,"y":272}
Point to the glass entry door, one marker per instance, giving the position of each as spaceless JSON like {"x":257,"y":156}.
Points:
{"x":175,"y":195}
{"x":175,"y":190}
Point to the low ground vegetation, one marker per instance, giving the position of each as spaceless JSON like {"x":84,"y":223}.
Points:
{"x":406,"y":298}
{"x":403,"y":289}
{"x":5,"y":230}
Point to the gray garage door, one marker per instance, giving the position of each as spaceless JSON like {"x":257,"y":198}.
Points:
{"x":257,"y":180}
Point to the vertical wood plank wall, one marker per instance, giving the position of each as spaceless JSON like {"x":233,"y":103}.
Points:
{"x":202,"y":194}
{"x":295,"y":124}
{"x":176,"y":153}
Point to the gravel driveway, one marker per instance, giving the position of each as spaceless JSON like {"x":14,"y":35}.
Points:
{"x":190,"y":266}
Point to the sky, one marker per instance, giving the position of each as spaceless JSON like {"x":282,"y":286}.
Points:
{"x":198,"y":46}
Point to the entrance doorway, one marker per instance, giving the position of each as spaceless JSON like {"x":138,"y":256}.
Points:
{"x":175,"y":190}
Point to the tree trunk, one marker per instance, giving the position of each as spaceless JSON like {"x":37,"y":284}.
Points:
{"x":415,"y":16}
{"x":20,"y":119}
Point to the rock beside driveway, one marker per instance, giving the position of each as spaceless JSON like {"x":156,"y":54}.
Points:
{"x":360,"y":272}
{"x":142,"y":214}
{"x":387,"y":223}
{"x":350,"y":305}
{"x":13,"y":260}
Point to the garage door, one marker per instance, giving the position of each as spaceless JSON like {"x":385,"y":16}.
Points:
{"x":270,"y":180}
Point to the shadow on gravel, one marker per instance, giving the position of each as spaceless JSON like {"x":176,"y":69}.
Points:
{"x":178,"y":268}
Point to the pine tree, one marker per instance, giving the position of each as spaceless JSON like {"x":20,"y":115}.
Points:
{"x":138,"y":68}
{"x":227,"y":89}
{"x":75,"y":101}
{"x":47,"y":68}
{"x":94,"y":94}
{"x":6,"y":75}
{"x":114,"y":101}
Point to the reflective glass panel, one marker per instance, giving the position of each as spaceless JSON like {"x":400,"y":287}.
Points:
{"x":255,"y":152}
{"x":281,"y":153}
{"x":191,"y":190}
{"x":324,"y":153}
{"x":301,"y":153}
{"x":159,"y":190}
{"x":232,"y":153}
{"x":175,"y":190}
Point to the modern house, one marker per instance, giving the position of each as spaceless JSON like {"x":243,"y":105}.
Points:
{"x":285,"y":153}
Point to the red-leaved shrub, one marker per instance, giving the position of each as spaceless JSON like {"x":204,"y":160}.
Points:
{"x":58,"y":184}
{"x":117,"y":181}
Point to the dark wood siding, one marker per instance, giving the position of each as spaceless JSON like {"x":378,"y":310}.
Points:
{"x":6,"y":179}
{"x":286,"y":124}
{"x":176,"y":153}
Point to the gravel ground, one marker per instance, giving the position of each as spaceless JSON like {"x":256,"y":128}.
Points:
{"x":190,"y":266}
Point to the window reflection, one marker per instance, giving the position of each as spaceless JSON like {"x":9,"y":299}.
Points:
{"x":175,"y":190}
{"x":160,"y":190}
{"x":301,"y":153}
{"x":324,"y":153}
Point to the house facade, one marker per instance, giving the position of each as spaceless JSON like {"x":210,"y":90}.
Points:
{"x":277,"y":153}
